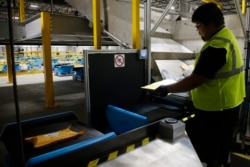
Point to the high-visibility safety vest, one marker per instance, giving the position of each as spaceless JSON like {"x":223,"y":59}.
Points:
{"x":227,"y":89}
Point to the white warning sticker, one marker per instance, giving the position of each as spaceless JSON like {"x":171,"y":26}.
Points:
{"x":119,"y":60}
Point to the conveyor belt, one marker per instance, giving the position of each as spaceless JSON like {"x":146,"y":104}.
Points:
{"x":160,"y":113}
{"x":59,"y":152}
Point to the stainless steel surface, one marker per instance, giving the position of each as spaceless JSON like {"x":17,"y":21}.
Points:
{"x":170,"y":69}
{"x":159,"y":153}
{"x":18,"y":30}
{"x":67,"y":30}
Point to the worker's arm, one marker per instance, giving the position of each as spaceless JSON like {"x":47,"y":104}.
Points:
{"x":188,"y":83}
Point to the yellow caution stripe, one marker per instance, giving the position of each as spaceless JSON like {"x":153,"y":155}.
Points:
{"x":187,"y":118}
{"x":93,"y":163}
{"x":116,"y":153}
{"x":113,"y":155}
{"x":130,"y":148}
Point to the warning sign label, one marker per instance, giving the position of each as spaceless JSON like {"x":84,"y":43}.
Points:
{"x":119,"y":60}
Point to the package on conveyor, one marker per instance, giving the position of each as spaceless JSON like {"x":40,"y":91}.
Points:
{"x":54,"y":137}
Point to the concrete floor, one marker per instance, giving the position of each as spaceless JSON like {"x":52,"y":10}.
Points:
{"x":31,"y":97}
{"x":69,"y":96}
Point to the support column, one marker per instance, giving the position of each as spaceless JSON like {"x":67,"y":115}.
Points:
{"x":96,"y":23}
{"x":136,"y":24}
{"x":9,"y":64}
{"x":48,"y":76}
{"x":21,"y":11}
{"x":243,"y":6}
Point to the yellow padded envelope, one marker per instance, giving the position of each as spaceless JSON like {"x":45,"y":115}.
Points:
{"x":54,"y":137}
{"x":155,"y":85}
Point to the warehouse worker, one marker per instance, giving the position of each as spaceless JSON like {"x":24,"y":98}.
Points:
{"x":217,"y":87}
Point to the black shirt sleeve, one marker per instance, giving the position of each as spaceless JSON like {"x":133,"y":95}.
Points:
{"x":210,"y":61}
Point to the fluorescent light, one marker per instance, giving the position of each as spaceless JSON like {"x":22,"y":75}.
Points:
{"x":15,"y":18}
{"x":34,"y":6}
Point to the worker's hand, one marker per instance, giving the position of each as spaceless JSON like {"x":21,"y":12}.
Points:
{"x":161,"y":91}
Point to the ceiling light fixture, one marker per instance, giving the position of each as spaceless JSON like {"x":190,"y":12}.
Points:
{"x":34,"y":6}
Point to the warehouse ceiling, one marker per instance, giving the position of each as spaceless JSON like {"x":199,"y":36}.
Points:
{"x":228,"y":6}
{"x":34,"y":7}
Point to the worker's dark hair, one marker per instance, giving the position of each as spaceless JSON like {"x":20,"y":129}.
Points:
{"x":208,"y":14}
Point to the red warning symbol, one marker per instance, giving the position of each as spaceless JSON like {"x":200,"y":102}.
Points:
{"x":119,"y":60}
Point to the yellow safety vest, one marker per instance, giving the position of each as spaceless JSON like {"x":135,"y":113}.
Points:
{"x":227,"y":89}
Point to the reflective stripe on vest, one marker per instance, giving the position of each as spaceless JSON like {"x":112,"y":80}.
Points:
{"x":234,"y":70}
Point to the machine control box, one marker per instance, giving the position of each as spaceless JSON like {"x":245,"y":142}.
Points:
{"x":171,"y":128}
